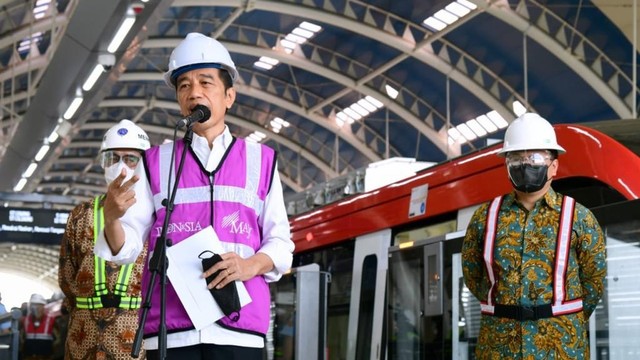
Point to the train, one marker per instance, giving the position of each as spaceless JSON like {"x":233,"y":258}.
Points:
{"x":378,"y":274}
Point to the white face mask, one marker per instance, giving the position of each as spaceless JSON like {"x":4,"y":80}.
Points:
{"x":113,"y":171}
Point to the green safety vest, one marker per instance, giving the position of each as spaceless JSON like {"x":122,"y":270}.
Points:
{"x":103,"y":298}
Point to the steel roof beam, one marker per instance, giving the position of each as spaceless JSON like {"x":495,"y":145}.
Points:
{"x":536,"y":33}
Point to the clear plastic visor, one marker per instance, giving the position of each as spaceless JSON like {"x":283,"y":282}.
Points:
{"x":111,"y":157}
{"x":533,"y":158}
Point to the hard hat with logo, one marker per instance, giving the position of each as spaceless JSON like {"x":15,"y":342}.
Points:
{"x":37,"y":299}
{"x":125,"y":135}
{"x":530,"y":131}
{"x":198,"y":51}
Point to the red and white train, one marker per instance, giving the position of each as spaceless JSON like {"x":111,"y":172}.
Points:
{"x":377,"y":275}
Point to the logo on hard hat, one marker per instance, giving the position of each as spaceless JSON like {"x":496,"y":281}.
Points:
{"x":122,"y":131}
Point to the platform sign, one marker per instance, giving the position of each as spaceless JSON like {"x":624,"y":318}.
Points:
{"x":32,"y":225}
{"x":418,"y":202}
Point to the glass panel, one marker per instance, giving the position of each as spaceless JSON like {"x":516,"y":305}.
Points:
{"x":465,"y":315}
{"x":618,"y":315}
{"x":404,"y":302}
{"x":283,"y":295}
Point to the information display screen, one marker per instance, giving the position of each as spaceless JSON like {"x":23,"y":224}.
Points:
{"x":32,"y":225}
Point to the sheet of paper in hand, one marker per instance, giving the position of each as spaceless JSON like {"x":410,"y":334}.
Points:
{"x":185,"y":274}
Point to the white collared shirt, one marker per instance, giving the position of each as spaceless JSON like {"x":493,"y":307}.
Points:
{"x":276,"y":242}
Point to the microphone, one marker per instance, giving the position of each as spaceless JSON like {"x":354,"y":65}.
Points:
{"x":199,"y":113}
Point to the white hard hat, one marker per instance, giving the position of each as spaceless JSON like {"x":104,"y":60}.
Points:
{"x":198,"y":51}
{"x":37,"y":299}
{"x":530,"y":132}
{"x":125,"y":135}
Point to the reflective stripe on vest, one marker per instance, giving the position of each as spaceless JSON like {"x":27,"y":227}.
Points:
{"x":247,"y":197}
{"x":41,"y":332}
{"x":100,"y":277}
{"x":559,"y":305}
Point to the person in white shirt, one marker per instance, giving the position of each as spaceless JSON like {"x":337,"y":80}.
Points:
{"x":227,"y":183}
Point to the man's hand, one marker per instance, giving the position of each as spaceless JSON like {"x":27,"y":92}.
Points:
{"x":235,"y":267}
{"x":120,"y":197}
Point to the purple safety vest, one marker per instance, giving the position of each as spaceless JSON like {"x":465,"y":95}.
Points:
{"x":230,"y":199}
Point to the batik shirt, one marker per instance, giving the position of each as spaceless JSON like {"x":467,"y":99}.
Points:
{"x":105,"y":333}
{"x":524,"y":256}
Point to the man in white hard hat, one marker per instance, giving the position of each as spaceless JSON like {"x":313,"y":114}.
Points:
{"x":101,"y":297}
{"x":37,"y":330}
{"x":229,"y":184}
{"x":534,"y":258}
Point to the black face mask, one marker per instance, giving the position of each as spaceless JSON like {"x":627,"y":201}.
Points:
{"x":528,"y":178}
{"x":227,"y":297}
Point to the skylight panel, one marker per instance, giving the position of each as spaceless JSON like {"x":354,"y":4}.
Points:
{"x":474,"y":125}
{"x":487,"y":124}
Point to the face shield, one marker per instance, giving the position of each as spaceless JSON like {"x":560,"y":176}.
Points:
{"x":110,"y":158}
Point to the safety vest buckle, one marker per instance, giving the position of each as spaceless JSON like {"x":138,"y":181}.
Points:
{"x":110,"y":301}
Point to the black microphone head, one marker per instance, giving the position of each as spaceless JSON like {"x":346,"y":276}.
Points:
{"x":206,"y":113}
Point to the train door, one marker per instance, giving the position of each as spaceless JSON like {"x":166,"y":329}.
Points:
{"x":370,"y":263}
{"x":299,"y":315}
{"x":418,"y":301}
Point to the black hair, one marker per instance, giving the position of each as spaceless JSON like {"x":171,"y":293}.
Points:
{"x":225,"y":77}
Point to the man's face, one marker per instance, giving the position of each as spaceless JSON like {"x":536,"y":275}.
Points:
{"x":36,"y":310}
{"x":203,"y":86}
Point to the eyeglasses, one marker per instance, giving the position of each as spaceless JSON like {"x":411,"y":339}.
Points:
{"x":527,"y":157}
{"x":110,"y":158}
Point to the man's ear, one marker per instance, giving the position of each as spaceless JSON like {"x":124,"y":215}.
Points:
{"x":230,"y":97}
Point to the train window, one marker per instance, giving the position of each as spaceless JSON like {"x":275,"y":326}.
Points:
{"x":425,"y":232}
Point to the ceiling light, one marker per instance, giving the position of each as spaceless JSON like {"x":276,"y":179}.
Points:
{"x":268,"y":60}
{"x":468,"y":4}
{"x":500,"y":122}
{"x":53,"y":136}
{"x":266,"y":63}
{"x":263,"y":65}
{"x":32,"y":167}
{"x":367,"y":105}
{"x":75,"y":104}
{"x":42,"y":152}
{"x":20,"y":185}
{"x":434,"y":23}
{"x":445,"y":16}
{"x":288,"y":44}
{"x":302,"y":32}
{"x":486,"y":123}
{"x":309,"y":26}
{"x":281,"y":121}
{"x":359,"y":109}
{"x":457,"y":9}
{"x":93,"y":77}
{"x":122,"y":32}
{"x":342,"y":118}
{"x":295,"y":38}
{"x":391,"y":91}
{"x":518,"y":108}
{"x":466,"y":132}
{"x":352,"y":114}
{"x":476,"y":128}
{"x":377,"y":103}
{"x":454,"y":134}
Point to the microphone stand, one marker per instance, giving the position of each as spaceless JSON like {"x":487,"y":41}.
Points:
{"x":159,"y":263}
